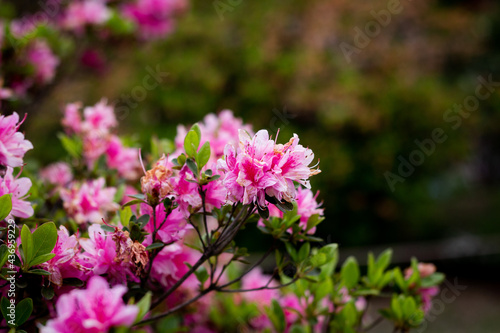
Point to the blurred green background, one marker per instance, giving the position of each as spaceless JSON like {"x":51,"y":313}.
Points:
{"x":279,"y":64}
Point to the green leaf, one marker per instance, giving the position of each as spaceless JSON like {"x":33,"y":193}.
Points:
{"x":73,"y":146}
{"x":409,"y":307}
{"x":350,"y":272}
{"x":5,"y":206}
{"x":304,"y":252}
{"x":144,"y":304}
{"x":201,"y":274}
{"x":191,"y":143}
{"x":23,"y":311}
{"x":48,"y":293}
{"x":126,"y":213}
{"x":42,"y":258}
{"x":203,"y":155}
{"x":297,"y":329}
{"x":396,"y":307}
{"x":44,"y":239}
{"x":192,"y":166}
{"x":384,"y":259}
{"x":74,"y":282}
{"x":133,"y":202}
{"x":197,"y":129}
{"x":278,"y":316}
{"x":350,"y":314}
{"x":38,"y":271}
{"x":432,"y":280}
{"x":4,"y":254}
{"x":27,"y":242}
{"x":107,"y":228}
{"x":155,"y":246}
{"x":4,"y":304}
{"x":139,"y":196}
{"x":399,"y":279}
{"x":263,"y":212}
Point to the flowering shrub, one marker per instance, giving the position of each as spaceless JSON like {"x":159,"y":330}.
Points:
{"x":126,"y":251}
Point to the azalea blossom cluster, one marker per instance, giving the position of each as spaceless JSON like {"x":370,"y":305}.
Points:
{"x":259,"y":167}
{"x":13,"y":147}
{"x":37,"y":53}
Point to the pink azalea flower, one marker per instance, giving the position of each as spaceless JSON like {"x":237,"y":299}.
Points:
{"x":19,"y":188}
{"x":260,"y":166}
{"x":169,"y":265}
{"x":58,"y":174}
{"x":101,"y":253}
{"x":124,"y":160}
{"x":86,"y":12}
{"x":256,"y":279}
{"x":427,"y":294}
{"x":40,"y":56}
{"x":93,"y":310}
{"x":72,"y":120}
{"x":154,"y":18}
{"x":99,"y":118}
{"x":90,"y":201}
{"x":66,"y":263}
{"x":13,"y":146}
{"x":219,"y":130}
{"x":186,"y":193}
{"x":156,"y":184}
{"x":172,"y":230}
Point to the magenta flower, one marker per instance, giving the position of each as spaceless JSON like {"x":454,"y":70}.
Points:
{"x":66,"y":263}
{"x":19,"y":188}
{"x":99,"y":118}
{"x":101,"y":255}
{"x":58,"y":174}
{"x":40,"y":56}
{"x":154,"y":18}
{"x":93,"y":310}
{"x":173,"y":229}
{"x":13,"y":146}
{"x":125,"y":160}
{"x":72,"y":120}
{"x":259,"y":166}
{"x":169,"y":265}
{"x":90,"y":201}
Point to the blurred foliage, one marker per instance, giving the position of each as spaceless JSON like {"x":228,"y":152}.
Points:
{"x":278,"y":64}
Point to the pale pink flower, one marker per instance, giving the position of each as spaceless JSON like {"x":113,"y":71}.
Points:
{"x":72,"y":120}
{"x":424,"y":269}
{"x":186,"y":192}
{"x":93,"y":310}
{"x":19,"y":188}
{"x":154,"y":18}
{"x":89,"y":201}
{"x":41,"y":57}
{"x":85,"y":12}
{"x":219,"y":130}
{"x":101,"y":256}
{"x":259,"y":166}
{"x":66,"y":263}
{"x":58,"y":174}
{"x":125,"y":160}
{"x":13,"y":145}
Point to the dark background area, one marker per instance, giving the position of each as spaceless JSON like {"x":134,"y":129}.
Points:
{"x":279,"y":64}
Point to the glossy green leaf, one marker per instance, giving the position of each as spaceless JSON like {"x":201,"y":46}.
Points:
{"x":350,"y":272}
{"x":27,"y":243}
{"x":203,"y":155}
{"x":44,"y":239}
{"x":5,"y":206}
